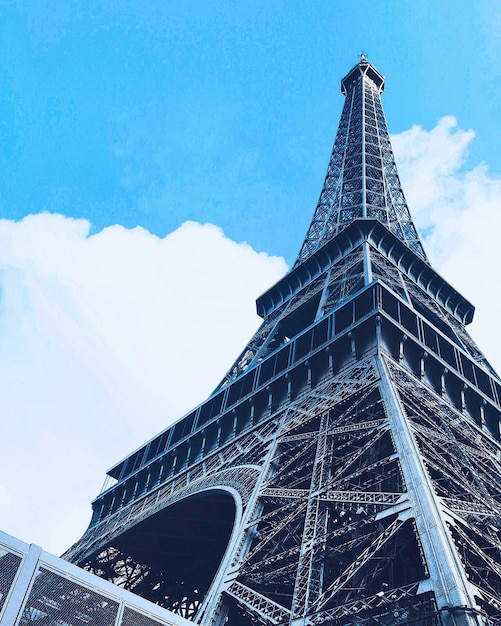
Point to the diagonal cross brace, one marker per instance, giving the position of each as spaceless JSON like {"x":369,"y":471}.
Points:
{"x":270,"y":612}
{"x":358,"y":564}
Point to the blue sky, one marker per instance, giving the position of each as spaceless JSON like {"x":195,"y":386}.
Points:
{"x":142,"y":144}
{"x":152,"y":113}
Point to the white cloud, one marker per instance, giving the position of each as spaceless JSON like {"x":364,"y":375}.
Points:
{"x":459,"y":208}
{"x":104,"y":341}
{"x":4,"y":497}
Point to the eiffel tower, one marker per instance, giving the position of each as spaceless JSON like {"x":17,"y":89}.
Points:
{"x":347,"y":468}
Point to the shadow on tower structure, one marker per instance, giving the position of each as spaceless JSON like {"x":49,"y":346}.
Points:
{"x":346,"y":470}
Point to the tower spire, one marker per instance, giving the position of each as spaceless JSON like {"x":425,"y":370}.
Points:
{"x":362,"y":179}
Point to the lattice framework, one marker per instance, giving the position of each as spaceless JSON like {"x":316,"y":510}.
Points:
{"x":357,"y":434}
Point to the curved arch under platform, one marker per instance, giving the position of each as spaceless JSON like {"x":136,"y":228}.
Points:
{"x":171,"y":557}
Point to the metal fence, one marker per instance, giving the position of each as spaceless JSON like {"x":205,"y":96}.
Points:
{"x":37,"y":588}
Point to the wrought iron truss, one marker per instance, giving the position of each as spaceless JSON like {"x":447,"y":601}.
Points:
{"x":347,"y":468}
{"x":362,"y":178}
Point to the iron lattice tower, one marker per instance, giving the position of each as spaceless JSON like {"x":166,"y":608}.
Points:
{"x":346,"y":470}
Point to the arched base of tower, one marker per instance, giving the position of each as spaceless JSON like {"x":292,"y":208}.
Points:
{"x":171,"y":557}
